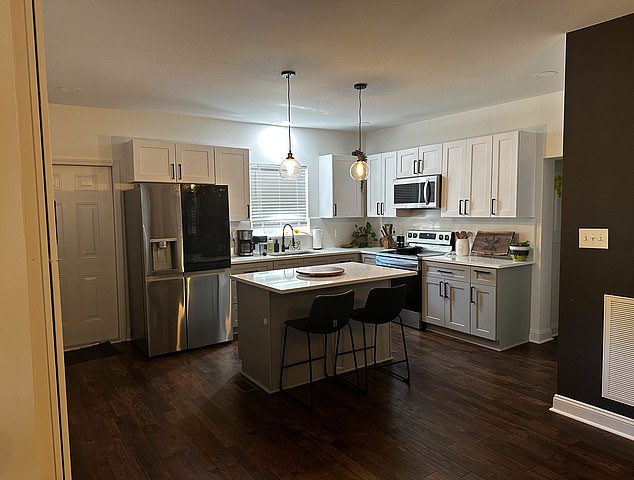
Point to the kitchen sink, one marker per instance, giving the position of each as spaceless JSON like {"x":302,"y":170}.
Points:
{"x":288,"y":252}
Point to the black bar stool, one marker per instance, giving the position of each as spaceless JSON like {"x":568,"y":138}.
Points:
{"x":383,"y":305}
{"x":328,"y":314}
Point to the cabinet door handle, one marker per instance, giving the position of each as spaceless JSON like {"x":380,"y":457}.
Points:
{"x":446,"y":296}
{"x":180,"y":171}
{"x":440,"y":289}
{"x":382,"y":208}
{"x":378,"y":210}
{"x":172,"y":172}
{"x":420,"y":166}
{"x":460,"y":207}
{"x":248,"y":211}
{"x":471,"y":295}
{"x":334,"y":209}
{"x":465,"y":206}
{"x":493,"y":206}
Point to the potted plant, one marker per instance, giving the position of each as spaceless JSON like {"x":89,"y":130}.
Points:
{"x":363,"y":236}
{"x":519,"y":251}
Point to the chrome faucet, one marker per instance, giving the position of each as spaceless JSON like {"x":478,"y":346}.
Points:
{"x":284,"y":247}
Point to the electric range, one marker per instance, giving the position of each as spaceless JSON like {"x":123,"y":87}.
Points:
{"x":419,"y":244}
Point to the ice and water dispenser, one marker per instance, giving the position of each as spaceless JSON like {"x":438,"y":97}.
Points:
{"x":164,"y":255}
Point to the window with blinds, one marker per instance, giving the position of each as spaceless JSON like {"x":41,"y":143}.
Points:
{"x":276,"y":201}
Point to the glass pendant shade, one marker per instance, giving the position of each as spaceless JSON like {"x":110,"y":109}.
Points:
{"x":359,"y":170}
{"x":289,"y":168}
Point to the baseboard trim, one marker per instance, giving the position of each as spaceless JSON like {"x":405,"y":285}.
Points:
{"x":540,"y":336}
{"x":595,"y":416}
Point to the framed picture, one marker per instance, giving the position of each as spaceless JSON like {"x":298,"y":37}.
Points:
{"x":492,"y":243}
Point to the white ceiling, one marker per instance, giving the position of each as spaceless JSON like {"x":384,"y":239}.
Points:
{"x":222,"y":59}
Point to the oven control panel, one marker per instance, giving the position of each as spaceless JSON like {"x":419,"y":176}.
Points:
{"x":429,"y":237}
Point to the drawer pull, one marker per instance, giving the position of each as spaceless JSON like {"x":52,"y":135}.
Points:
{"x":446,"y":272}
{"x":482,"y":272}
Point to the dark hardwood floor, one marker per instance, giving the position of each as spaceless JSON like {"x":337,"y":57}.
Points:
{"x":469,"y":413}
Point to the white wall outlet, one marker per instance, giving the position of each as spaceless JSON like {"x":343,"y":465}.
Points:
{"x":593,"y":238}
{"x":336,"y":232}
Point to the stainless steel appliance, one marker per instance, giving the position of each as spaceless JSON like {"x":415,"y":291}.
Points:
{"x":244,"y":240}
{"x":179,"y":261}
{"x":419,"y":244}
{"x":417,"y":192}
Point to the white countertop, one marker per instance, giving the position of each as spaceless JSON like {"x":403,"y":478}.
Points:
{"x":477,"y":261}
{"x":288,"y":281}
{"x":309,"y":253}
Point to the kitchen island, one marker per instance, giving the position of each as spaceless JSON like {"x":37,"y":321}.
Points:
{"x":266,"y":299}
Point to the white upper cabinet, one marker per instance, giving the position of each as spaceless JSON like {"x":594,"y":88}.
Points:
{"x":339,"y":195}
{"x":150,"y":161}
{"x":380,"y":185}
{"x":454,"y":178}
{"x":478,"y":198}
{"x":430,"y":158}
{"x":163,"y":161}
{"x":406,"y":163}
{"x":513,"y":174}
{"x":232,"y":168}
{"x":412,"y":162}
{"x":467,"y":177}
{"x":194,"y":163}
{"x":490,"y":176}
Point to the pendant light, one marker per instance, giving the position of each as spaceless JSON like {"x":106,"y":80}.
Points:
{"x":360,"y":169}
{"x":289,"y":168}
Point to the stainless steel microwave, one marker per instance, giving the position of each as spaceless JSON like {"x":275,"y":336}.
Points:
{"x":417,"y":192}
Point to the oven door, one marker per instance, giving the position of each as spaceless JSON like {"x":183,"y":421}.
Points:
{"x":411,"y":313}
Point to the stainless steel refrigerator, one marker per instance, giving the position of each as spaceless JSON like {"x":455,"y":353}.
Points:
{"x":179,"y":261}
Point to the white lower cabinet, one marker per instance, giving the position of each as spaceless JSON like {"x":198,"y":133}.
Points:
{"x":483,"y":311}
{"x":447,"y":296}
{"x":487,"y":306}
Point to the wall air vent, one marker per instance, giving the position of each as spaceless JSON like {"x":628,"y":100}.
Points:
{"x":618,"y":349}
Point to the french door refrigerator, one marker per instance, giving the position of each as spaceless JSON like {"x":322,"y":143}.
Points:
{"x":179,"y":260}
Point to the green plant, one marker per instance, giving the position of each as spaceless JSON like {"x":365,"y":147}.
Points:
{"x":559,"y":182}
{"x":363,"y":236}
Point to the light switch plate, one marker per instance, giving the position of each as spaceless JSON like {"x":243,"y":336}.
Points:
{"x":593,"y":238}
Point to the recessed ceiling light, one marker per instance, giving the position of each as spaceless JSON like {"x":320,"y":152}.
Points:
{"x":69,"y":89}
{"x":547,"y":74}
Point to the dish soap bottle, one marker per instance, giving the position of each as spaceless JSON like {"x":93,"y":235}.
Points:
{"x":276,"y":246}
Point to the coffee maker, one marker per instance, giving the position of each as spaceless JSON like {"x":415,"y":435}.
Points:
{"x":244,"y":245}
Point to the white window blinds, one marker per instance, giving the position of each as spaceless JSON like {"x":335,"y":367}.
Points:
{"x":276,"y":201}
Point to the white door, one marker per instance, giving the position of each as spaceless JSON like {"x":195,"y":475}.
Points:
{"x":86,"y":247}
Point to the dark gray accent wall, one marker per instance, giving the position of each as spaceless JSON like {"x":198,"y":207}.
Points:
{"x":598,"y":191}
